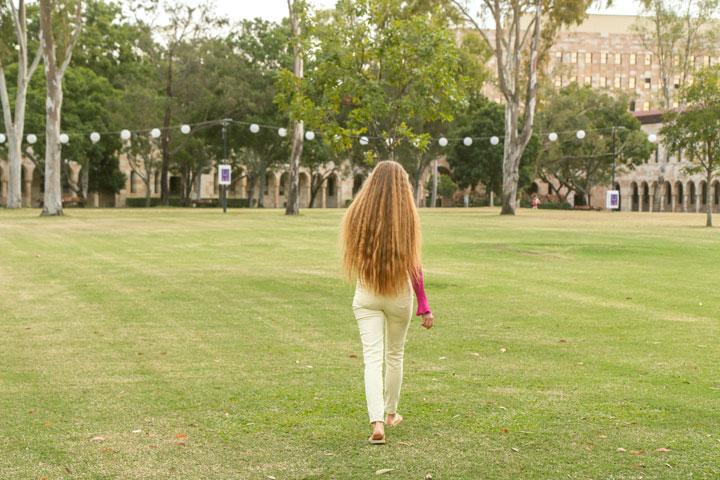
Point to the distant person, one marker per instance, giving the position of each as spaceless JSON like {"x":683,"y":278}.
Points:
{"x":381,"y":237}
{"x":536,"y":202}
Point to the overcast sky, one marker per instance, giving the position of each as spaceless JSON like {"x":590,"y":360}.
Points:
{"x":277,"y":9}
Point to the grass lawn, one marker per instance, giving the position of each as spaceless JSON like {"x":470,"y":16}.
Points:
{"x":201,"y":345}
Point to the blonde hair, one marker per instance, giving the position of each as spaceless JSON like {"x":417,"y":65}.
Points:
{"x":381,"y":232}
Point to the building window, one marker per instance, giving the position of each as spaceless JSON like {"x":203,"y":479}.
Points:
{"x":603,"y":82}
{"x":648,"y":83}
{"x":573,"y":57}
{"x":617,"y":82}
{"x":633,"y":59}
{"x":632,"y":82}
{"x":558,"y":81}
{"x":618,"y":58}
{"x":603,"y":58}
{"x":632,"y":106}
{"x":588,"y":57}
{"x":331,"y":187}
{"x":282,"y":185}
{"x":588,"y":81}
{"x":558,"y":55}
{"x":646,"y":105}
{"x":133,"y":179}
{"x":648,"y":59}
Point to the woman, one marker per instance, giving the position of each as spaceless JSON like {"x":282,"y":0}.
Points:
{"x":381,"y":237}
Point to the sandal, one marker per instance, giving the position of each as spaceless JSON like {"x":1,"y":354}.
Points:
{"x":399,"y":419}
{"x":377,"y":441}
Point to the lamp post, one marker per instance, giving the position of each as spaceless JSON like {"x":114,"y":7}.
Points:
{"x":224,"y":187}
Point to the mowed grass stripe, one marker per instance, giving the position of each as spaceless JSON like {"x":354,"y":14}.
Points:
{"x":197,"y":323}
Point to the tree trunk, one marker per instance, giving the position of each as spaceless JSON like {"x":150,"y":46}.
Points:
{"x":52,"y":202}
{"x":492,"y":198}
{"x":85,"y":180}
{"x":708,"y":202}
{"x":147,"y":191}
{"x":512,"y":152}
{"x":433,"y":202}
{"x":14,"y":191}
{"x":292,"y":206}
{"x":164,"y":186}
{"x":261,"y":189}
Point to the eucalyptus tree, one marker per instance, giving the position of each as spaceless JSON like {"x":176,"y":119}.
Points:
{"x":378,"y":66}
{"x":520,"y":34}
{"x":60,"y":17}
{"x":695,"y":131}
{"x":25,"y":56}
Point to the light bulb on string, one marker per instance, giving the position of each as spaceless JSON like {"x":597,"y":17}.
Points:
{"x":254,"y":128}
{"x":467,"y":141}
{"x":580,"y":134}
{"x":282,"y":132}
{"x":2,"y":138}
{"x":94,"y":137}
{"x":652,"y":138}
{"x":443,"y":142}
{"x":185,"y":129}
{"x":125,"y":134}
{"x":553,"y":137}
{"x":155,"y":133}
{"x":64,"y":138}
{"x":32,"y":138}
{"x":494,"y":140}
{"x":364,"y":141}
{"x":310,"y":135}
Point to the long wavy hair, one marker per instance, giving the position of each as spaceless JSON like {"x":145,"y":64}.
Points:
{"x":381,"y":232}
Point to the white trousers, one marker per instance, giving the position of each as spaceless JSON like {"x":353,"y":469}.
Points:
{"x":381,"y":319}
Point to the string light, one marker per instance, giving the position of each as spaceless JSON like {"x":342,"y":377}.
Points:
{"x":125,"y":134}
{"x":254,"y":128}
{"x":467,"y":141}
{"x":580,"y":134}
{"x":310,"y":135}
{"x":32,"y":138}
{"x":64,"y":138}
{"x":494,"y":140}
{"x":553,"y":137}
{"x":282,"y":132}
{"x":364,"y":141}
{"x":155,"y":133}
{"x":185,"y":129}
{"x":2,"y":138}
{"x":443,"y":142}
{"x":94,"y":137}
{"x":652,"y":138}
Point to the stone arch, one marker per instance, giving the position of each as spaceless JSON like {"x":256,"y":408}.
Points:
{"x":304,"y":190}
{"x":635,"y":197}
{"x":645,"y":197}
{"x":679,"y":198}
{"x":37,"y":189}
{"x":272,"y":189}
{"x":667,"y":197}
{"x":534,"y":188}
{"x":702,"y":190}
{"x":133,"y":181}
{"x":283,"y":187}
{"x":716,"y":195}
{"x":692,"y":195}
{"x":442,"y":170}
{"x":358,"y":182}
{"x":332,"y":191}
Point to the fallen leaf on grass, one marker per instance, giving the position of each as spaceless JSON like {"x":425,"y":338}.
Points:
{"x":407,"y":444}
{"x":475,"y":354}
{"x":271,"y":477}
{"x":329,"y":454}
{"x":384,"y":470}
{"x":109,"y":449}
{"x":182,"y":435}
{"x":153,"y":446}
{"x":502,"y":350}
{"x":48,"y":424}
{"x":442,"y":358}
{"x":32,"y":411}
{"x":68,"y":470}
{"x":97,"y":439}
{"x":37,"y":255}
{"x":637,"y":452}
{"x":619,"y":450}
{"x":602,"y":436}
{"x":352,"y":356}
{"x":638,"y":467}
{"x":428,"y":477}
{"x":515,"y":449}
{"x":182,"y":444}
{"x":137,"y":431}
{"x":662,"y":449}
{"x":504,"y":430}
{"x":562,"y":341}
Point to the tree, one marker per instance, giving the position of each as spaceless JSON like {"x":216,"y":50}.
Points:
{"x":378,"y":67}
{"x":298,"y":10}
{"x":675,"y":31}
{"x":696,"y":130}
{"x":524,"y":31}
{"x":172,"y":56}
{"x":446,"y":188}
{"x":14,"y":127}
{"x":54,"y":73}
{"x":142,"y":156}
{"x":581,"y":164}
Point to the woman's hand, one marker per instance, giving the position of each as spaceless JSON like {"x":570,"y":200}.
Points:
{"x":428,"y":320}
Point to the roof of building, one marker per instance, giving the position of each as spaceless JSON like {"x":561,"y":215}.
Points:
{"x":649,"y":116}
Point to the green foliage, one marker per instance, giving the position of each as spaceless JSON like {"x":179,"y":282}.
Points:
{"x":482,"y":162}
{"x":579,"y":164}
{"x":446,"y":188}
{"x":377,"y":69}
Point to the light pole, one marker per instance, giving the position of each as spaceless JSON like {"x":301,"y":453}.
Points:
{"x":224,"y":187}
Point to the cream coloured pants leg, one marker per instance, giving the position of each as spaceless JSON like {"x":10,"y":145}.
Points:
{"x":382,"y":320}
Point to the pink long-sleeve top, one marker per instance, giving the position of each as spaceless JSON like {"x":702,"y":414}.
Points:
{"x":419,"y":287}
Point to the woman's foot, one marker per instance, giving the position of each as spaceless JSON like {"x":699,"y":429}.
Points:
{"x":393,"y":419}
{"x":378,"y":436}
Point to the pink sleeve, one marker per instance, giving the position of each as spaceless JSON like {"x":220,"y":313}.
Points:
{"x":419,"y":287}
